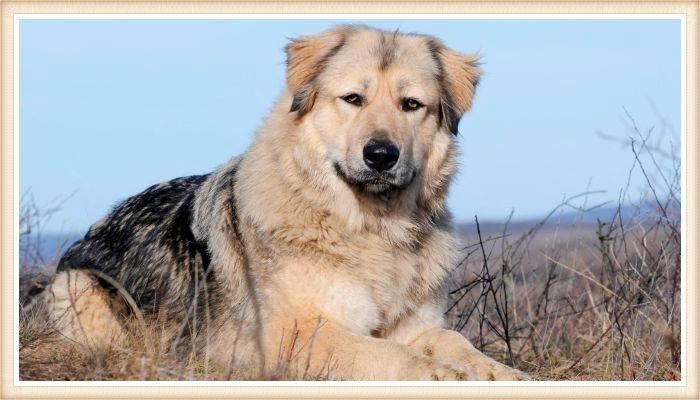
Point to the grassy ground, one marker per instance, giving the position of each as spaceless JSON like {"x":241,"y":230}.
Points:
{"x":598,"y":302}
{"x":586,"y":302}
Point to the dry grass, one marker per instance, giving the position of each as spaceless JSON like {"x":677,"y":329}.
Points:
{"x":582,"y":307}
{"x":44,"y":355}
{"x":582,"y":302}
{"x":561,"y":301}
{"x":138,"y":354}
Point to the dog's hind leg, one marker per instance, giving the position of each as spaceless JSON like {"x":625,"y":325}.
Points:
{"x":82,"y":310}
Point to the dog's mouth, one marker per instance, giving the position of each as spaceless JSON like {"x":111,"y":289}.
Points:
{"x":374,"y":182}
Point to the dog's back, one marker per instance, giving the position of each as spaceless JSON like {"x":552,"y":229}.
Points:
{"x":148,"y":246}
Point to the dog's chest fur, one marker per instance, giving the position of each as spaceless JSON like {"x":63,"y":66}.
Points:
{"x":362,"y":280}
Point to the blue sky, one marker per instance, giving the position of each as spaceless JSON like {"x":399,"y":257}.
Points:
{"x":109,"y":107}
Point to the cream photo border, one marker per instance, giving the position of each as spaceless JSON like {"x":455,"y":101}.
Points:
{"x":13,"y":11}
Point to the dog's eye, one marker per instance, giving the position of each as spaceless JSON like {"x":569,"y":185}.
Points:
{"x":411,"y":104}
{"x":353,"y":98}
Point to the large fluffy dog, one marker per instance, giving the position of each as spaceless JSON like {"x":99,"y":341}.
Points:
{"x":329,"y":237}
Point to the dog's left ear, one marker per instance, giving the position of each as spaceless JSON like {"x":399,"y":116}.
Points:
{"x":306,"y":58}
{"x":461,"y":75}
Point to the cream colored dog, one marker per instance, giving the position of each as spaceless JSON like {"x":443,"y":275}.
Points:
{"x":327,"y":242}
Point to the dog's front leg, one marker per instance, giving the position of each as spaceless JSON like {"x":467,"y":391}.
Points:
{"x":452,"y":346}
{"x":317,"y":347}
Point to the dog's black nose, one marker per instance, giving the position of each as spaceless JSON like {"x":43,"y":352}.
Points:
{"x":380,"y":155}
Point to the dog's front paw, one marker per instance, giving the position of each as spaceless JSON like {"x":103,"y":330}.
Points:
{"x":435,"y":370}
{"x":495,"y":371}
{"x":448,"y":372}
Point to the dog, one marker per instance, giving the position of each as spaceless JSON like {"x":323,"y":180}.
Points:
{"x":329,"y":236}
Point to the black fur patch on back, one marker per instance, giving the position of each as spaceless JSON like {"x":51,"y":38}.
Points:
{"x":147,"y":245}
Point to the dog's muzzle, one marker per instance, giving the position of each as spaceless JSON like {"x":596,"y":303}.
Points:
{"x":375,"y":182}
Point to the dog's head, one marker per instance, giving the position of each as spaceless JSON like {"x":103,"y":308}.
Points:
{"x":383,"y":106}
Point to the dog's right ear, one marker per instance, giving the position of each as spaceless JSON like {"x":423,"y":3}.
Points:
{"x":306,"y":58}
